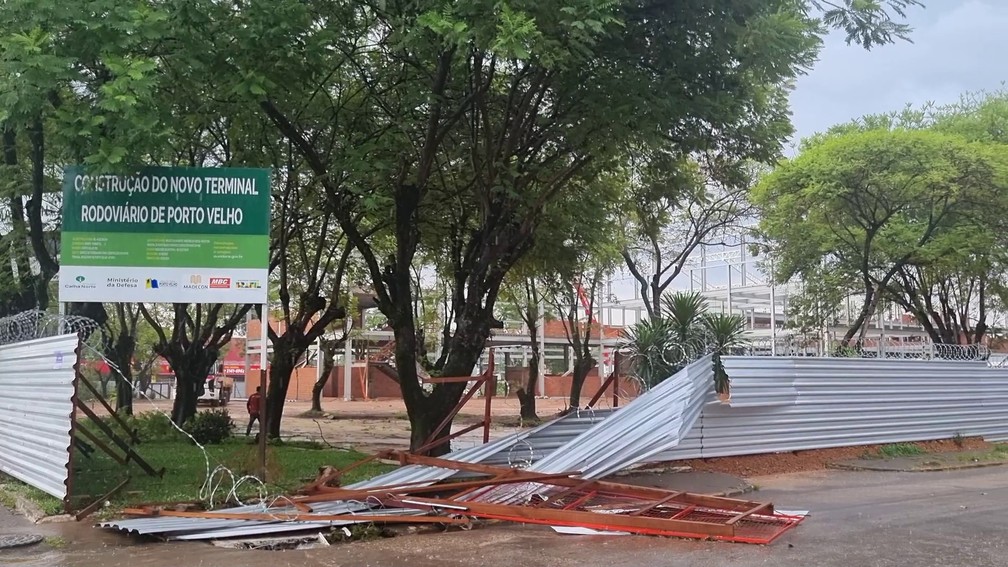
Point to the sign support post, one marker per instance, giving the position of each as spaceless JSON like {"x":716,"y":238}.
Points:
{"x":263,"y":381}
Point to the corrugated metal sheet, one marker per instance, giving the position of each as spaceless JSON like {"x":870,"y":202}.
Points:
{"x":839,"y":402}
{"x":653,"y":422}
{"x":517,"y":448}
{"x":37,"y":388}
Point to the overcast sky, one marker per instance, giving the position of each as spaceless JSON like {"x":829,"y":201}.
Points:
{"x":958,"y":46}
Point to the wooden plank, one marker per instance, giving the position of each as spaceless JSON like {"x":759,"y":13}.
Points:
{"x":750,"y":512}
{"x":118,"y":418}
{"x":130,"y":453}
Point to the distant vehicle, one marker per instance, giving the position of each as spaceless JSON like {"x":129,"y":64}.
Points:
{"x":217,"y":391}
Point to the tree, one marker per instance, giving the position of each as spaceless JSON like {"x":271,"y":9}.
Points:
{"x":494,"y":115}
{"x":310,"y":258}
{"x":192,"y":345}
{"x":119,"y":338}
{"x":470,"y":118}
{"x":683,"y":332}
{"x":677,"y":204}
{"x":871,"y":203}
{"x":523,"y":291}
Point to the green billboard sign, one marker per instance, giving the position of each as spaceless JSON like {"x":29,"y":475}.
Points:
{"x":175,"y":234}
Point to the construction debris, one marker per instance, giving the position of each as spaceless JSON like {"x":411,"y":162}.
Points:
{"x":547,"y":475}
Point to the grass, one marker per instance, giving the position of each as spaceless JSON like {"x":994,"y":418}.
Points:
{"x":997,"y":453}
{"x":12,"y":488}
{"x":289,"y":466}
{"x":55,"y":542}
{"x":900,"y":450}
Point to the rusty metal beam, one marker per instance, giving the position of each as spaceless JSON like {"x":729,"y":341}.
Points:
{"x":750,"y":512}
{"x":552,"y":516}
{"x":90,"y":508}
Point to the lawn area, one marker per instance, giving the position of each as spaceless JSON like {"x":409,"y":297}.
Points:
{"x":289,"y":466}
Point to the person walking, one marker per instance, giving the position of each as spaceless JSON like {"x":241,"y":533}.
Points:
{"x":253,"y":405}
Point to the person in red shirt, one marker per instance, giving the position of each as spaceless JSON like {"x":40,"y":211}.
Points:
{"x":252,"y":405}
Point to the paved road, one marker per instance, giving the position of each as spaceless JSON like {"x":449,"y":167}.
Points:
{"x":858,"y":519}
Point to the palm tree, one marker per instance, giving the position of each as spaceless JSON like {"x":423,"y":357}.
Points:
{"x":724,"y":333}
{"x":685,"y":331}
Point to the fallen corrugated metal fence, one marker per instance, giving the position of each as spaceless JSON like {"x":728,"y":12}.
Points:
{"x":592,"y":443}
{"x":777,"y":404}
{"x":790,"y":404}
{"x":37,"y":392}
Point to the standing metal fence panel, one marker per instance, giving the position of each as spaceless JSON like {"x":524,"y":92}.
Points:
{"x":37,"y":391}
{"x":840,"y":402}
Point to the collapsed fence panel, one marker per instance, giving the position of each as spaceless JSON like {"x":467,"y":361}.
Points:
{"x":37,"y":391}
{"x":839,"y":402}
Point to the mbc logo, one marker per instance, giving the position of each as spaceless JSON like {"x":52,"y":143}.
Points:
{"x":220,"y":283}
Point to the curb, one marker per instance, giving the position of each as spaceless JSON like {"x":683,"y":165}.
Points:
{"x":849,"y":467}
{"x":32,"y":511}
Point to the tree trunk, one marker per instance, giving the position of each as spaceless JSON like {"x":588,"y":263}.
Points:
{"x":327,"y":362}
{"x":427,"y":411}
{"x":191,"y":369}
{"x":526,"y":394}
{"x":189,"y":388}
{"x":281,"y":369}
{"x":583,"y":364}
{"x":866,"y":309}
{"x":121,"y":354}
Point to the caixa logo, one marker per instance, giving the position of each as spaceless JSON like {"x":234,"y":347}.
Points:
{"x":220,"y":283}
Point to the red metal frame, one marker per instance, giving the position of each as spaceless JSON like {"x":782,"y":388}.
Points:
{"x":612,"y":381}
{"x":488,"y":381}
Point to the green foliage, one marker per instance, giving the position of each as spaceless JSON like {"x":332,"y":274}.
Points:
{"x":653,"y":355}
{"x":456,"y":131}
{"x":213,"y":426}
{"x":659,"y":347}
{"x":907,"y":207}
{"x":149,"y":426}
{"x":900,"y":450}
{"x":725,"y":332}
{"x":685,"y":311}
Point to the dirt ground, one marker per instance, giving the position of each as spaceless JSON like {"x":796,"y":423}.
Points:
{"x":818,"y":459}
{"x":372,"y":426}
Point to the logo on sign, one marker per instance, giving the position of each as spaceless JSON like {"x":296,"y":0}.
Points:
{"x":81,"y":283}
{"x":220,"y":283}
{"x":195,"y":282}
{"x":152,"y":283}
{"x":122,"y":282}
{"x":248,"y":284}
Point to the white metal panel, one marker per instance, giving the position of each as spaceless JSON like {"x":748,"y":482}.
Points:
{"x":37,"y":389}
{"x":841,"y":402}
